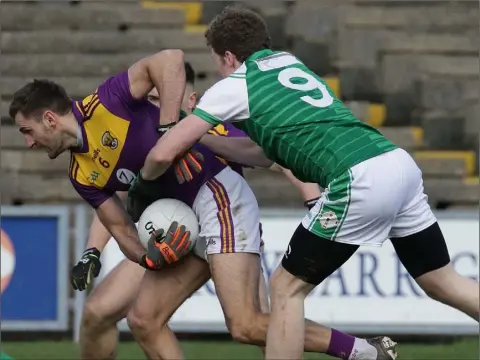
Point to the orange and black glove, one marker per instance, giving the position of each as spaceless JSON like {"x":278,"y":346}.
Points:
{"x":166,"y":247}
{"x":189,"y":163}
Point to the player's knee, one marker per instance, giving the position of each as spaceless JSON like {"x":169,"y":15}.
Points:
{"x":144,"y":324}
{"x":139,"y":323}
{"x":437,"y":283}
{"x":95,"y":317}
{"x":243,"y":329}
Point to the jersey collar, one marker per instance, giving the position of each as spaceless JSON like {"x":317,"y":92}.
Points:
{"x":77,"y":109}
{"x":260,"y":54}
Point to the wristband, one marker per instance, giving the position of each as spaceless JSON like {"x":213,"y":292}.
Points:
{"x":144,"y":262}
{"x":309,"y":204}
{"x":92,"y":251}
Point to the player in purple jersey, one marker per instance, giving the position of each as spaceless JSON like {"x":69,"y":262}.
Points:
{"x":109,"y":134}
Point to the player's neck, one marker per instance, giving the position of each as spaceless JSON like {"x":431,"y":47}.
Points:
{"x":71,"y":131}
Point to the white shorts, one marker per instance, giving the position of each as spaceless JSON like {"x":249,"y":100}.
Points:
{"x":377,"y":199}
{"x":229,"y":217}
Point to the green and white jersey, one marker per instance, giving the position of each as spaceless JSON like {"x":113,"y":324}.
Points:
{"x":293,"y":115}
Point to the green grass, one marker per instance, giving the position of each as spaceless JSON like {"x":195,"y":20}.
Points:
{"x":460,"y":350}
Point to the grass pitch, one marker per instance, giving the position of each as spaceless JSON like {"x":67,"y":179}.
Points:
{"x":467,"y":349}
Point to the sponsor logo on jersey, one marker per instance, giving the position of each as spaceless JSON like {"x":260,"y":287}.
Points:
{"x":328,"y":220}
{"x":96,"y":153}
{"x":7,"y":259}
{"x":108,"y":140}
{"x":93,"y":177}
{"x":125,"y":176}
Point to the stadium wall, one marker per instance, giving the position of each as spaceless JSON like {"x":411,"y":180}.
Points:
{"x":372,"y":293}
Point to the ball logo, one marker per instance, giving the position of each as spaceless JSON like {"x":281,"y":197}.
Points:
{"x":8,"y":260}
{"x":149,"y":227}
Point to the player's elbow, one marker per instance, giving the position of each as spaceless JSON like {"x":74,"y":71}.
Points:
{"x":168,"y":56}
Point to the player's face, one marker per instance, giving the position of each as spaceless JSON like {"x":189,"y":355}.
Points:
{"x":226,"y":64}
{"x":42,"y":134}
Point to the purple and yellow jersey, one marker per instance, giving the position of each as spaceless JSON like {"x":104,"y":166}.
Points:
{"x":118,"y":132}
{"x":229,"y":130}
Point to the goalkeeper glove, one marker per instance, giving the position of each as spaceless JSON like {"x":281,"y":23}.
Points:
{"x":166,"y":247}
{"x":86,"y":269}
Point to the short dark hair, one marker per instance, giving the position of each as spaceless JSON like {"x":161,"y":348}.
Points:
{"x":238,"y":30}
{"x":38,"y":96}
{"x":189,"y":73}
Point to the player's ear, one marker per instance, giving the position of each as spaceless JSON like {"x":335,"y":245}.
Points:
{"x":192,"y":100}
{"x":230,"y":59}
{"x":49,"y":119}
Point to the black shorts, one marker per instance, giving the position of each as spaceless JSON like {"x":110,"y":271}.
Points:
{"x":312,"y":258}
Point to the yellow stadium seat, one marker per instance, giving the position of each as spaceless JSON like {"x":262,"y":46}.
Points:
{"x":192,"y":9}
{"x":417,"y":133}
{"x":468,"y":157}
{"x":376,"y":115}
{"x":334,"y":83}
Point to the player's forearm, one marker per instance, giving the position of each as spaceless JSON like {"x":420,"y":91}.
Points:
{"x":241,"y":150}
{"x":309,"y":191}
{"x":129,"y":243}
{"x":115,"y":219}
{"x":99,"y":236}
{"x":167,"y":72}
{"x":155,"y":165}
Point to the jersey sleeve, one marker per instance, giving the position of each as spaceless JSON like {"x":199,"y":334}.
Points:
{"x":226,"y":101}
{"x":92,"y":195}
{"x":227,"y":130}
{"x":117,"y":88}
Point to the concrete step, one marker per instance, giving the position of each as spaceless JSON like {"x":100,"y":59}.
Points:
{"x":77,"y":87}
{"x":63,"y":16}
{"x":100,"y":42}
{"x":84,"y":65}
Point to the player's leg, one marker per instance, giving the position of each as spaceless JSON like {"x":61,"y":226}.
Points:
{"x":235,"y":267}
{"x":263,"y":295}
{"x":161,"y":294}
{"x":421,"y":247}
{"x":307,"y":262}
{"x":351,"y":212}
{"x":107,"y":304}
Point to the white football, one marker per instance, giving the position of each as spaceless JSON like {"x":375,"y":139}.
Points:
{"x":160,"y":215}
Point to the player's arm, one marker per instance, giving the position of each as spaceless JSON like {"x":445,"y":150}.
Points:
{"x":165,"y":71}
{"x":89,"y":265}
{"x":226,"y":101}
{"x":172,"y":145}
{"x":117,"y":222}
{"x":310,"y":191}
{"x":241,"y":150}
{"x":99,"y":236}
{"x":164,"y":246}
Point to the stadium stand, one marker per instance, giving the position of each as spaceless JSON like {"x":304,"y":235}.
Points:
{"x":407,"y":68}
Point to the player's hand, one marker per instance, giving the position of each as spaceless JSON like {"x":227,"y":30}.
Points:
{"x":187,"y":165}
{"x":140,"y":195}
{"x":86,"y":269}
{"x":166,"y":247}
